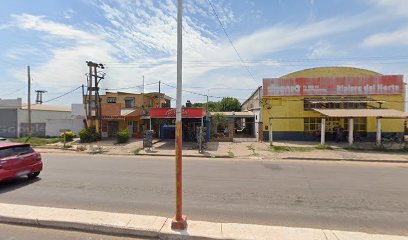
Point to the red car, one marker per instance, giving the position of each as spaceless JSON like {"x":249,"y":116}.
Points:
{"x":17,"y":160}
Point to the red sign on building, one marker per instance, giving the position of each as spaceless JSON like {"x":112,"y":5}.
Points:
{"x":171,"y":113}
{"x":340,"y":86}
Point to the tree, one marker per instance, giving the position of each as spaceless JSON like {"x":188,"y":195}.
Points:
{"x":212,"y":106}
{"x":229,"y":104}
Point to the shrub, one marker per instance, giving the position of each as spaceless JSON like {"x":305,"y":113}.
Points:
{"x":88,"y":135}
{"x":69,"y":136}
{"x":123,"y":136}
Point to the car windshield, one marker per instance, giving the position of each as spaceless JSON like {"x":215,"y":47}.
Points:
{"x":13,"y":151}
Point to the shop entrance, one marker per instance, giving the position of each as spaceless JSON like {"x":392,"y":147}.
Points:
{"x":113,"y":128}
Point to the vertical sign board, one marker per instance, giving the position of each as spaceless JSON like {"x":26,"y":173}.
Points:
{"x":336,"y":86}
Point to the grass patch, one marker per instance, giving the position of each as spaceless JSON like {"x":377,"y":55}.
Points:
{"x":324,"y":147}
{"x":136,"y":151}
{"x":298,"y":149}
{"x":36,"y":141}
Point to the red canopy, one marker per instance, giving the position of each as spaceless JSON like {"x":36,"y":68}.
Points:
{"x":171,"y":113}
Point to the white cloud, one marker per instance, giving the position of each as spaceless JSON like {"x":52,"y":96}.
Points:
{"x":40,"y":23}
{"x":392,"y":9}
{"x":144,"y":33}
{"x":281,"y":37}
{"x":399,"y":37}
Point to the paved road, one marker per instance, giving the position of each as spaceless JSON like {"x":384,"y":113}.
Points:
{"x":368,"y":197}
{"x":13,"y":232}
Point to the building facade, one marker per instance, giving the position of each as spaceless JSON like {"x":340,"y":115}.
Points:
{"x":121,"y":110}
{"x":254,"y":104}
{"x":297,"y":103}
{"x":46,"y":120}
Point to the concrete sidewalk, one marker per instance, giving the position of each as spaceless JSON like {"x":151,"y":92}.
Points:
{"x":160,"y":227}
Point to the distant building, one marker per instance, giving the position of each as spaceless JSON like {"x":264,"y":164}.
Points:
{"x":254,"y":104}
{"x":46,"y":120}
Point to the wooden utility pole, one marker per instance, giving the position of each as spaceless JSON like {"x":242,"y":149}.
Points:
{"x":179,"y":221}
{"x":86,"y":110}
{"x":270,"y":132}
{"x":29,"y":102}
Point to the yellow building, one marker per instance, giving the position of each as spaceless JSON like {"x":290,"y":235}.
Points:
{"x":297,"y":104}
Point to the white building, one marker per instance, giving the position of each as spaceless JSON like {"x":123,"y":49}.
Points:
{"x":46,"y":120}
{"x":254,"y":104}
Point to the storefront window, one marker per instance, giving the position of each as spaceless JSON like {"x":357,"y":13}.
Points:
{"x":360,"y":124}
{"x":312,"y":124}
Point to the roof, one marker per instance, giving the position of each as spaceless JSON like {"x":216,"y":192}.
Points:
{"x":124,"y":112}
{"x":43,"y":107}
{"x":331,"y":72}
{"x":258,"y":89}
{"x":235,"y":114}
{"x":379,"y":112}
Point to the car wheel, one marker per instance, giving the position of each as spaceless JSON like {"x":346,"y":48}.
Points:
{"x":33,"y":175}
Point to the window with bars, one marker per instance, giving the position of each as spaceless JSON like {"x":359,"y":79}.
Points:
{"x":111,"y":99}
{"x":129,"y":102}
{"x":312,"y":124}
{"x":360,"y":124}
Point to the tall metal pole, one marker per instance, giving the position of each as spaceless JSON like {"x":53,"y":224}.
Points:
{"x":179,"y":221}
{"x":29,"y":101}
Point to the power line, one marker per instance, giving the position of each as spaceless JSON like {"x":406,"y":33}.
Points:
{"x":52,"y":99}
{"x":200,"y":94}
{"x":18,"y":90}
{"x":138,"y":86}
{"x":229,"y":39}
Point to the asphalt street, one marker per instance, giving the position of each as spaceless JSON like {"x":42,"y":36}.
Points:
{"x":14,"y":232}
{"x":368,"y":197}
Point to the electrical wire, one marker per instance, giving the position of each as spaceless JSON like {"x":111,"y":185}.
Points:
{"x":229,"y":39}
{"x":52,"y":99}
{"x":138,"y":86}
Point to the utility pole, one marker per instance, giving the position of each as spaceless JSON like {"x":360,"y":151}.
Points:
{"x":179,"y":221}
{"x":93,"y":92}
{"x":38,"y":99}
{"x":29,"y":102}
{"x":159,"y":86}
{"x":83,"y":101}
{"x":143,"y":100}
{"x":208,"y":92}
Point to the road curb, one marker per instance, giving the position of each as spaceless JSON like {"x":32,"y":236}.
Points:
{"x":160,"y":227}
{"x":344,"y":160}
{"x":238,"y":157}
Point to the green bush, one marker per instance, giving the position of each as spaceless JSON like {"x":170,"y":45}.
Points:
{"x":87,"y":135}
{"x":69,"y":136}
{"x":123,"y":136}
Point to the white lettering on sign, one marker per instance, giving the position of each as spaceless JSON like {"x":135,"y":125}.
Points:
{"x":280,"y":89}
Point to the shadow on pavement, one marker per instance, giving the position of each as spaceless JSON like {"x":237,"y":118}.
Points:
{"x":11,"y":185}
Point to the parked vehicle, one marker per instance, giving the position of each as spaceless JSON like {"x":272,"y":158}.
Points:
{"x":18,"y":160}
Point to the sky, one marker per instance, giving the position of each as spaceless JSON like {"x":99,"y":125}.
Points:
{"x":137,"y":38}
